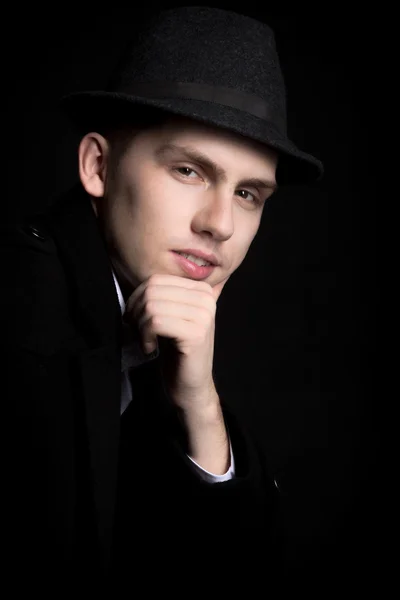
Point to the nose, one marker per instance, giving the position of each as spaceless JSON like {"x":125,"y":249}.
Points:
{"x":215,"y":216}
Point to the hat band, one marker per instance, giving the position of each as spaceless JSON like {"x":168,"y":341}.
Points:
{"x":210,"y":93}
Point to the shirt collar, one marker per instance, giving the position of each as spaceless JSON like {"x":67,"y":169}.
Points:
{"x":120,"y":296}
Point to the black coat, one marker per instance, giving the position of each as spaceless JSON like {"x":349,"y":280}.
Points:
{"x":90,"y":493}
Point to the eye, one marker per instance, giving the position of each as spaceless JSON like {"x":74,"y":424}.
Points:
{"x":185,"y":169}
{"x":256,"y":199}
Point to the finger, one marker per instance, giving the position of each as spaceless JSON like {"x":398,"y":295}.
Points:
{"x":169,"y":327}
{"x":160,"y":308}
{"x":148,"y":335}
{"x":135,"y":295}
{"x":179,"y":299}
{"x":186,"y":282}
{"x":160,"y":279}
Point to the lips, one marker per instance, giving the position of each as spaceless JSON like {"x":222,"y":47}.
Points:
{"x":209,"y":257}
{"x":193,"y":258}
{"x":191,"y":269}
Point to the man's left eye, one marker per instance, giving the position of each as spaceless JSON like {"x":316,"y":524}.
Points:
{"x":247,"y":192}
{"x":256,"y":200}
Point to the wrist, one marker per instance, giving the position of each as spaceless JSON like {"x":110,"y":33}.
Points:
{"x":208,"y":443}
{"x":205,"y":410}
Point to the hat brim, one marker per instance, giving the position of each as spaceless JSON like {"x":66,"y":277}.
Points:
{"x":88,"y":110}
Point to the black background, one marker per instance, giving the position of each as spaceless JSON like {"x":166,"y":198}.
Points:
{"x":295,"y":343}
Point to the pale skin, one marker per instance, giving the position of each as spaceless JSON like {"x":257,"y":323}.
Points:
{"x":151,"y":204}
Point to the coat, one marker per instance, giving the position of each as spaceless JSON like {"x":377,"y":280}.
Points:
{"x":92,"y":494}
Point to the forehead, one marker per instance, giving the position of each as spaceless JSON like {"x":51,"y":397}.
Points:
{"x":184,"y":130}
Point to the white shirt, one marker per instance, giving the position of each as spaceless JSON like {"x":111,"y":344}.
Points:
{"x":126,"y":398}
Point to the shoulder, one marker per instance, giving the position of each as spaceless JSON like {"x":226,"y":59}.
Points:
{"x":27,"y":233}
{"x":28,"y":253}
{"x":35,"y":308}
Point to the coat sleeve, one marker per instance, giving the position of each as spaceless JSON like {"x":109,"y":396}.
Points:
{"x":233,"y":526}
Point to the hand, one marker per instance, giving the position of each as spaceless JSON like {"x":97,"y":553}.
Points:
{"x":182,"y":310}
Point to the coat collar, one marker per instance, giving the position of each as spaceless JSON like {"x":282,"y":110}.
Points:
{"x":82,"y":250}
{"x":73,"y":225}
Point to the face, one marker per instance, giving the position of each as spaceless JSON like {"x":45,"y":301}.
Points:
{"x":158,"y":199}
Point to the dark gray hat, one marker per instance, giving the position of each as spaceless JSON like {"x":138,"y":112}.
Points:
{"x":212,"y":65}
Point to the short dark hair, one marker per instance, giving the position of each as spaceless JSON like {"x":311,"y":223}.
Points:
{"x":122,"y":133}
{"x":138,"y":118}
{"x":119,"y":123}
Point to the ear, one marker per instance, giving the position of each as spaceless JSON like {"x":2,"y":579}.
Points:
{"x":93,"y":153}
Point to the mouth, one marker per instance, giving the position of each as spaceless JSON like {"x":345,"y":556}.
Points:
{"x":191,"y":268}
{"x":197,"y":254}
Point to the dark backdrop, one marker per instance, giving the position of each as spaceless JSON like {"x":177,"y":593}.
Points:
{"x":296,"y":323}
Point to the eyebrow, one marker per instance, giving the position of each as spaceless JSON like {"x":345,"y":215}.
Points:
{"x":195,"y":155}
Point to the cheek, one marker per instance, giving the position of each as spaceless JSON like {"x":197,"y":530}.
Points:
{"x":148,"y":221}
{"x":161,"y":208}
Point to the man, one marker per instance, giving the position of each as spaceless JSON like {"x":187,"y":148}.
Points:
{"x":124,"y":456}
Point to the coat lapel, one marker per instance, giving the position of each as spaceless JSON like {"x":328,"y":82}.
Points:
{"x":83,"y":253}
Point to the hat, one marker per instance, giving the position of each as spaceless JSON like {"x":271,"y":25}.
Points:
{"x":212,"y":65}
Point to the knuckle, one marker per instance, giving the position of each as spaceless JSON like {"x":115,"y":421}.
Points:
{"x":206,"y":286}
{"x":210,"y":304}
{"x":200,"y":335}
{"x":154,"y":321}
{"x":206,"y":314}
{"x":148,"y":293}
{"x":149,"y":308}
{"x":154,"y":279}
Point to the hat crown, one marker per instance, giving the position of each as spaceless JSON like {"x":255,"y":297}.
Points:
{"x":211,"y":46}
{"x":211,"y":65}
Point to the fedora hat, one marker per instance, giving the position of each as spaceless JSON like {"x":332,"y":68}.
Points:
{"x":215,"y":66}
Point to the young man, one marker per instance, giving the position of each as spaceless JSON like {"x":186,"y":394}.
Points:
{"x":124,"y":455}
